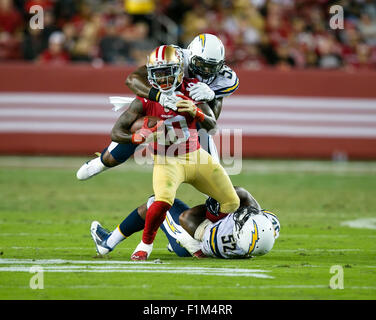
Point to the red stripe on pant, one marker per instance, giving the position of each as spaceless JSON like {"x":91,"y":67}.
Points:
{"x":154,"y":218}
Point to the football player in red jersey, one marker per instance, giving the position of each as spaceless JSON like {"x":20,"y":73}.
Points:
{"x":204,"y":60}
{"x":178,"y":157}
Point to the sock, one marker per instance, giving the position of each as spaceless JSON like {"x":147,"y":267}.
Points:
{"x":131,"y":224}
{"x":154,"y":218}
{"x":115,"y":238}
{"x":122,"y":151}
{"x":101,"y":158}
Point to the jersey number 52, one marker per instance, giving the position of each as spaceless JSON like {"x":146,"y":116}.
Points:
{"x":228,"y":242}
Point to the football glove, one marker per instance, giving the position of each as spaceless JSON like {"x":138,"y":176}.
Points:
{"x":169,"y":100}
{"x":201,"y":92}
{"x":187,"y":105}
{"x":212,"y":206}
{"x":145,"y":132}
{"x":212,"y":210}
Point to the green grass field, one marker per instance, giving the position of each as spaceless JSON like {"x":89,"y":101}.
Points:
{"x":45,"y":216}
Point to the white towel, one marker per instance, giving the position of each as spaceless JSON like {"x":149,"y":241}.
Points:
{"x":120,"y":102}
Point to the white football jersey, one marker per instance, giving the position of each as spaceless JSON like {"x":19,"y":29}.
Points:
{"x":224,"y":84}
{"x":218,"y":240}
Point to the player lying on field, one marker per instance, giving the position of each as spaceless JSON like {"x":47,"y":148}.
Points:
{"x":204,"y":60}
{"x":250,"y":231}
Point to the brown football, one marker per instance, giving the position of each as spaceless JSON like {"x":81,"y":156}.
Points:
{"x":137,"y":125}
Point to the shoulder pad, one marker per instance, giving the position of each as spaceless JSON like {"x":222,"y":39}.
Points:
{"x":226,"y":82}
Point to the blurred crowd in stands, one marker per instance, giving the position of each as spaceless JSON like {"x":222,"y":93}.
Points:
{"x":256,"y":33}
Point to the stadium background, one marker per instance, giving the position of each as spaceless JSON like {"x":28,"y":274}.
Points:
{"x":306,"y":91}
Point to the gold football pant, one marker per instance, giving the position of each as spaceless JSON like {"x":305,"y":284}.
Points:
{"x":199,"y":170}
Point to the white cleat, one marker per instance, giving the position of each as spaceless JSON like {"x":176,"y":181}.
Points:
{"x":90,"y":169}
{"x":100,"y":236}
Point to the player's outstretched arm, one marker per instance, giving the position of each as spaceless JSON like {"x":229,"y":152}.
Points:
{"x":121,"y":130}
{"x":246,"y":199}
{"x":190,"y":219}
{"x":209,"y":122}
{"x":138,"y":82}
{"x":216,"y":106}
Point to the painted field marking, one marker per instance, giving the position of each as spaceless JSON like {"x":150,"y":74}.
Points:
{"x":63,"y":261}
{"x":200,"y":287}
{"x":321,"y":249}
{"x":21,"y":265}
{"x":275,"y":287}
{"x":163,"y":249}
{"x":74,"y":248}
{"x":362,"y":223}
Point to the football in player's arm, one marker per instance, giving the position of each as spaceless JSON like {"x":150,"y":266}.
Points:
{"x":183,"y":225}
{"x":121,"y":130}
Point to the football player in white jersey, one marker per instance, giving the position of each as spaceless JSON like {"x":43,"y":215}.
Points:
{"x":203,"y":59}
{"x":250,"y":231}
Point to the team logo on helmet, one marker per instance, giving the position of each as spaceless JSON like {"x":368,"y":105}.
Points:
{"x":207,"y":56}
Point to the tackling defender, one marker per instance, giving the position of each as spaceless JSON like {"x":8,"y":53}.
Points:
{"x":203,"y":60}
{"x":178,"y":157}
{"x":250,"y":231}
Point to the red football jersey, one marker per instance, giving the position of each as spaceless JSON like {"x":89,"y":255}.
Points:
{"x":180,"y":130}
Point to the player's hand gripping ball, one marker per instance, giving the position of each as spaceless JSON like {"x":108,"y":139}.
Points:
{"x":144,"y":128}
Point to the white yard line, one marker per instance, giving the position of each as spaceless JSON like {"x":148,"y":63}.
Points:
{"x":363,"y":223}
{"x":72,"y":248}
{"x":83,"y":266}
{"x":63,"y":261}
{"x":201,"y":287}
{"x":275,"y":287}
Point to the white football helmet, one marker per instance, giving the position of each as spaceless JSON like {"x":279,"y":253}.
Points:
{"x":254,"y":233}
{"x":207,"y":55}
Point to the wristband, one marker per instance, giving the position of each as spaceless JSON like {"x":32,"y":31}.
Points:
{"x":154,"y":94}
{"x":200,"y":116}
{"x":214,"y":218}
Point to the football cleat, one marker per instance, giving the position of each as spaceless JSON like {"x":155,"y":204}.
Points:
{"x":142,"y":252}
{"x":100,"y":236}
{"x":139,"y":256}
{"x":90,"y":169}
